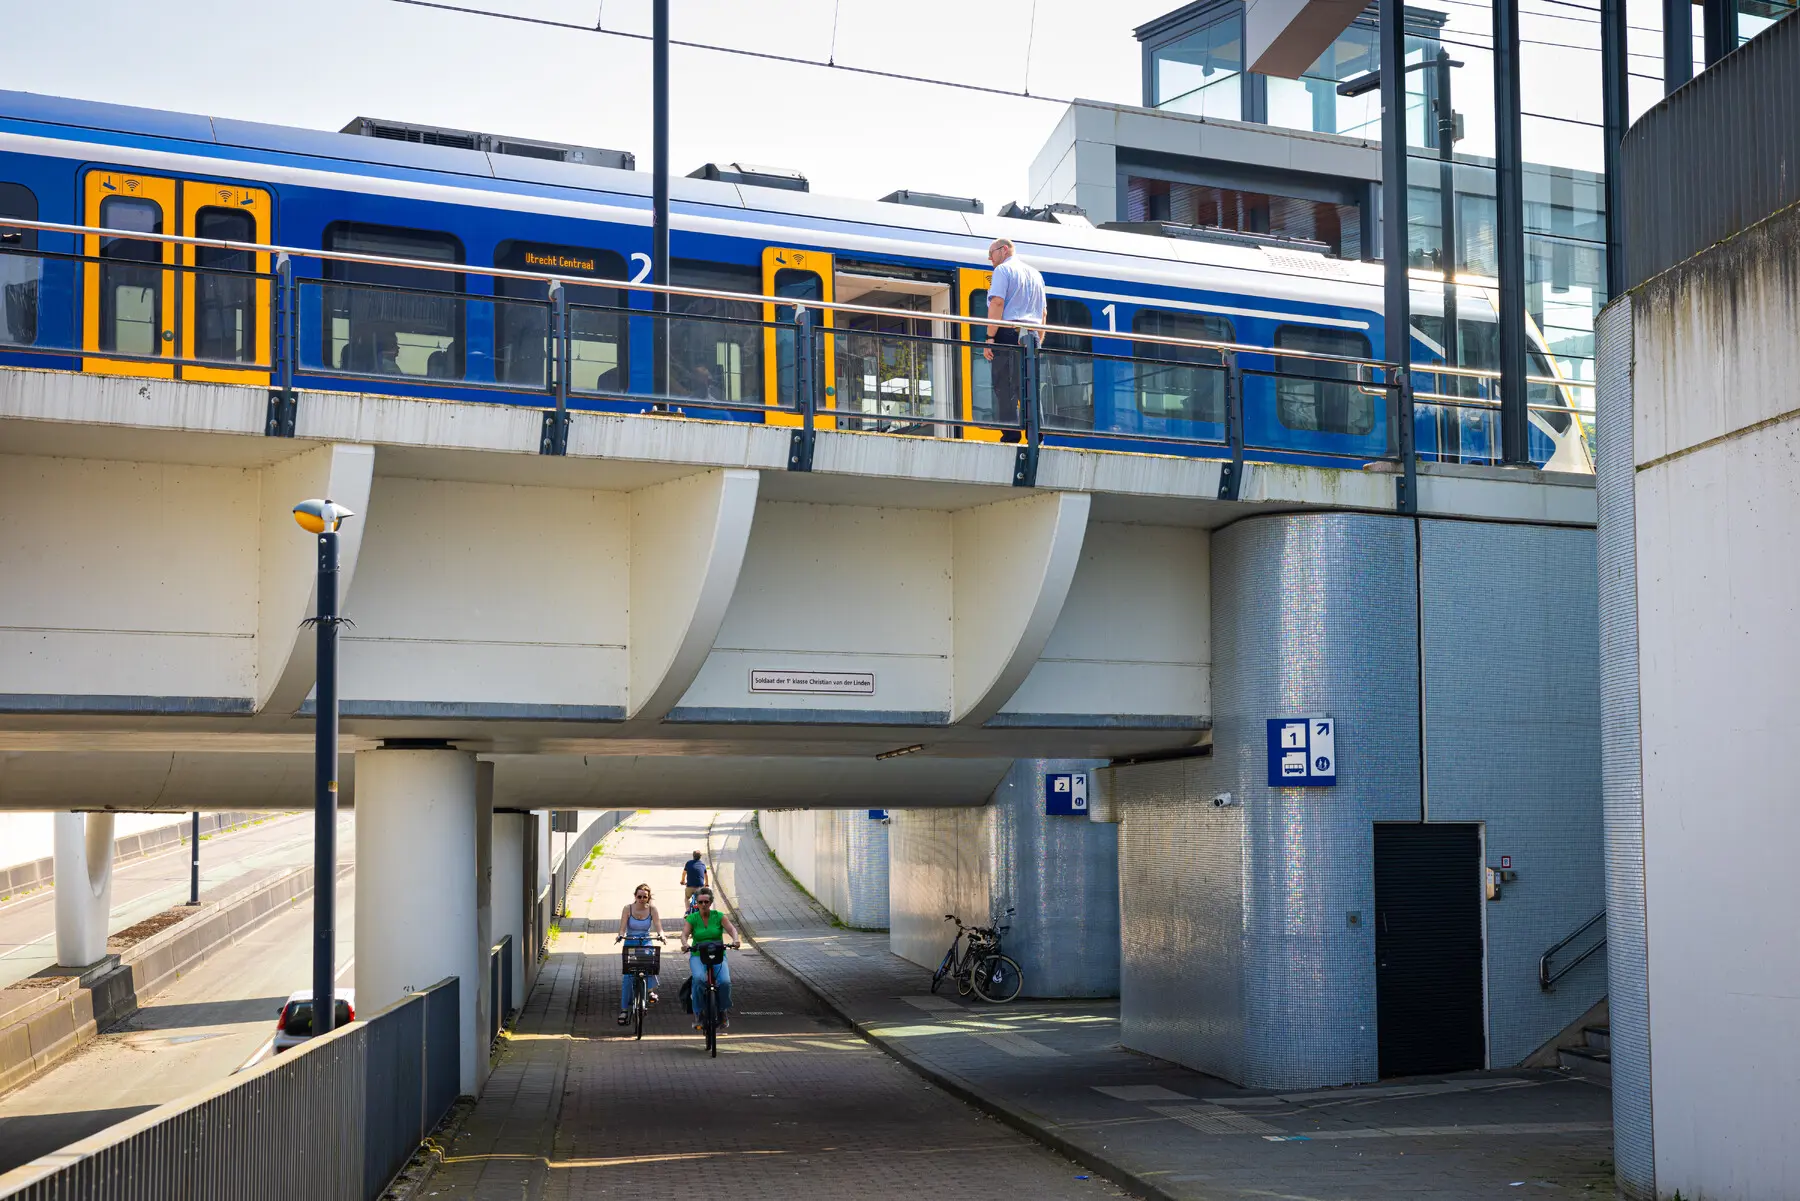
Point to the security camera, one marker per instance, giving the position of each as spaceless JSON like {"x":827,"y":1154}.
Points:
{"x":1223,"y":801}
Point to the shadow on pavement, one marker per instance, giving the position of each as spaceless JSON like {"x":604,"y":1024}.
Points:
{"x":204,"y":1013}
{"x":24,"y":1138}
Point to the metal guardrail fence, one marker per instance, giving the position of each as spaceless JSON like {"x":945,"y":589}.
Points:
{"x":332,"y":1120}
{"x":556,"y":341}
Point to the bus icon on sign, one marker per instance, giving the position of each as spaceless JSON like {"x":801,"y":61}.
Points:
{"x":1302,"y":752}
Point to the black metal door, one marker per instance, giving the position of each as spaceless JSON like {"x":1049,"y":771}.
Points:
{"x":1428,"y":953}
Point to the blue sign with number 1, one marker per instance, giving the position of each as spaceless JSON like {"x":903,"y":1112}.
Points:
{"x":1302,"y":752}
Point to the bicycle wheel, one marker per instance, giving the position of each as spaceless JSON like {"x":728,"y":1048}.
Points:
{"x":639,"y":1002}
{"x":963,"y":975}
{"x":997,"y":978}
{"x":712,"y":1020}
{"x":944,"y":968}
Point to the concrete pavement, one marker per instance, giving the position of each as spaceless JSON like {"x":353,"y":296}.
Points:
{"x":1056,"y":1069}
{"x":794,"y":1103}
{"x":195,"y":1032}
{"x":145,"y":887}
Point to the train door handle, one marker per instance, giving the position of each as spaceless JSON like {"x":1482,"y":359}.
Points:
{"x":168,"y":335}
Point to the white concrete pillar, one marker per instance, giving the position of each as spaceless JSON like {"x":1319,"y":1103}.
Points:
{"x":509,"y":894}
{"x":484,"y":908}
{"x":415,"y":883}
{"x":83,"y":850}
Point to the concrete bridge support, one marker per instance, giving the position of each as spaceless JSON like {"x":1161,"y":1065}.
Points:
{"x":416,"y":813}
{"x":83,"y":853}
{"x":508,"y":885}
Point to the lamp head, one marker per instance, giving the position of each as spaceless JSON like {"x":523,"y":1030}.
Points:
{"x":320,"y":516}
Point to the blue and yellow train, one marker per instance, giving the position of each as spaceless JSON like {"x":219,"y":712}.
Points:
{"x":97,"y":303}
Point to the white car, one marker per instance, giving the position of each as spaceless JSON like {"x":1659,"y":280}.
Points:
{"x":295,"y":1024}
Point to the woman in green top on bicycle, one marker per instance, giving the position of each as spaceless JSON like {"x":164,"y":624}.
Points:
{"x":706,"y":924}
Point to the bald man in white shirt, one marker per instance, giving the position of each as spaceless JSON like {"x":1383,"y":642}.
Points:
{"x":1016,"y":294}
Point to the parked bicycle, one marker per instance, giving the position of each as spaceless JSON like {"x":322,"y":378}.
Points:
{"x":978,"y":963}
{"x":642,"y":961}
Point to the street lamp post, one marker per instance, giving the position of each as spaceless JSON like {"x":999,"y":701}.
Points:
{"x":194,"y":867}
{"x":322,"y":518}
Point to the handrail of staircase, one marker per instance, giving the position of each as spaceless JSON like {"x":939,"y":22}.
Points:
{"x":1546,"y":978}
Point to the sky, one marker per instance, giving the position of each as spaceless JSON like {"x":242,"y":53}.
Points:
{"x":322,"y":63}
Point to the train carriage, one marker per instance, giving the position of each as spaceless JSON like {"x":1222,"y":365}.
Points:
{"x":907,"y":360}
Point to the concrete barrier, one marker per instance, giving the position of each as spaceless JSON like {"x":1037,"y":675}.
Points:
{"x":39,"y":1026}
{"x":39,"y":873}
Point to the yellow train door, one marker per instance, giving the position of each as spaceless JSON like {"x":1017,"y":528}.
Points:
{"x":977,"y":374}
{"x":225,"y":314}
{"x":137,"y":300}
{"x":804,"y":275}
{"x":128,"y":296}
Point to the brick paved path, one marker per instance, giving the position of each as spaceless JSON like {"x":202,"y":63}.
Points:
{"x":795,"y":1106}
{"x":1056,"y":1068}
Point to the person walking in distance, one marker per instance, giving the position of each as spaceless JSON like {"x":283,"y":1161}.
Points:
{"x":693,"y":877}
{"x":1016,"y":294}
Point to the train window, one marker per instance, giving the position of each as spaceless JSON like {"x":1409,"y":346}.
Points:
{"x":1066,"y":368}
{"x":20,"y":268}
{"x":130,"y":281}
{"x":597,"y":329}
{"x":1481,"y":350}
{"x":1314,"y":403}
{"x":981,"y":371}
{"x":800,"y":285}
{"x":1185,"y":383}
{"x":224,"y":290}
{"x":711,"y":357}
{"x":393,"y":320}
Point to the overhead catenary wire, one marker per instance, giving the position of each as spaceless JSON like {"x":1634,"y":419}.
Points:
{"x":765,"y":55}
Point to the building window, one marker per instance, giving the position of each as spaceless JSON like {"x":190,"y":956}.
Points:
{"x":1311,"y":102}
{"x":1201,"y":72}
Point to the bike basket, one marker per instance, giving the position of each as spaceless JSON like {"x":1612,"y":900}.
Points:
{"x":644,"y":959}
{"x":711,"y":953}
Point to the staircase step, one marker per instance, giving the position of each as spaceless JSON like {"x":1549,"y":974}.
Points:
{"x":1587,"y":1063}
{"x":1599,"y":1038}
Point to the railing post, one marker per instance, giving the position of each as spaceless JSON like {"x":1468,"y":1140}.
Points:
{"x":1407,"y":490}
{"x":1231,"y":475}
{"x":555,"y":440}
{"x":283,"y":408}
{"x":1025,"y":464}
{"x":800,"y":447}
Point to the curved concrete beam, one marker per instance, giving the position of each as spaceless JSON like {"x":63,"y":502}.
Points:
{"x":1012,"y":566}
{"x":687,"y":547}
{"x":288,"y":571}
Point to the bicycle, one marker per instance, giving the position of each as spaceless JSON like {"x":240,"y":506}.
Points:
{"x":706,"y":1003}
{"x":982,"y":967}
{"x":641,"y":960}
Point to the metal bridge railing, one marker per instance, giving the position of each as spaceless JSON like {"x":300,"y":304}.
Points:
{"x":335,"y":1119}
{"x":269,"y":313}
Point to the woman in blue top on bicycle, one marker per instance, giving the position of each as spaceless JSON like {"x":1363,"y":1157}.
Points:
{"x":707,"y":924}
{"x":638,"y":924}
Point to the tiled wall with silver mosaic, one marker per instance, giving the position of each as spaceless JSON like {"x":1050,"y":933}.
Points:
{"x":1060,"y":875}
{"x":1181,"y":889}
{"x":939,"y":861}
{"x":1511,"y":690}
{"x":1248,"y":929}
{"x":1312,"y":613}
{"x":1621,"y":759}
{"x":865,"y":872}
